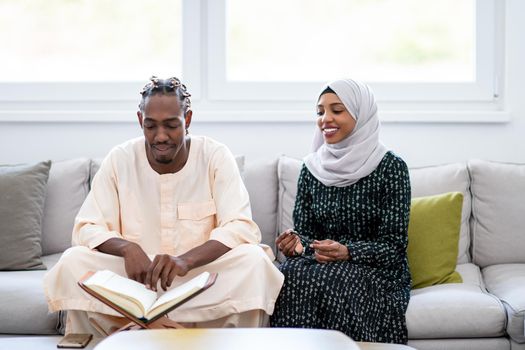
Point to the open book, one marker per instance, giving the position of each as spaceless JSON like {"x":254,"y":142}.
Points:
{"x":134,"y":300}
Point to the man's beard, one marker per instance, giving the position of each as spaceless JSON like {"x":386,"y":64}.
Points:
{"x":163,"y":160}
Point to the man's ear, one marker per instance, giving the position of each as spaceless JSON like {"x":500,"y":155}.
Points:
{"x":187,"y":118}
{"x":139,"y":116}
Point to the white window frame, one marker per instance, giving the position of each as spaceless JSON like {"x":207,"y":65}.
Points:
{"x":483,"y":89}
{"x":98,"y":101}
{"x":216,"y":99}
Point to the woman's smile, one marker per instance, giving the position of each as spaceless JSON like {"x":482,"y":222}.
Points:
{"x":330,"y":131}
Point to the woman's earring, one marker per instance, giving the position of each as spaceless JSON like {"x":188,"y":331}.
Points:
{"x":187,"y":132}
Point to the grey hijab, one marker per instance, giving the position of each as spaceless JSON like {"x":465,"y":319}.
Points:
{"x":358,"y":155}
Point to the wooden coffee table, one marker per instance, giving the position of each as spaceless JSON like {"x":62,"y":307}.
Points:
{"x":238,"y":338}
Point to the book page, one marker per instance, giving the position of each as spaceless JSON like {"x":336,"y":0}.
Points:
{"x":120,"y":290}
{"x":177,"y":294}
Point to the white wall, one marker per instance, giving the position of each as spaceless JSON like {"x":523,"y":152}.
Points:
{"x":418,"y":143}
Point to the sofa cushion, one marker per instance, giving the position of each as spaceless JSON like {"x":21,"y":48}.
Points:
{"x":93,"y":168}
{"x":433,"y":234}
{"x":507,"y":282}
{"x":23,"y":304}
{"x":500,"y":343}
{"x":260,"y":179}
{"x":67,"y":189}
{"x":459,"y":310}
{"x":288,"y":170}
{"x":433,"y":180}
{"x":22,"y":195}
{"x":424,"y":182}
{"x":498,"y":208}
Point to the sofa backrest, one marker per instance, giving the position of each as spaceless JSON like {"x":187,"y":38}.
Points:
{"x":427,"y":181}
{"x":497,"y":202}
{"x":424,"y":182}
{"x":67,"y":187}
{"x":288,"y":171}
{"x":498,"y":212}
{"x":260,"y":179}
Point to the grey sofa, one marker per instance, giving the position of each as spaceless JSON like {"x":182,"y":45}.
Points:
{"x":486,"y":311}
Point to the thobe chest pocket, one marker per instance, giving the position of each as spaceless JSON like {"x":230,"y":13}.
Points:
{"x":196,"y":220}
{"x":196,"y":211}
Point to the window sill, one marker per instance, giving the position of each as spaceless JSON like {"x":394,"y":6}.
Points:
{"x":247,"y":116}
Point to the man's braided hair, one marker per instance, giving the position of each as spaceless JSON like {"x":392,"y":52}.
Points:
{"x":170,"y":86}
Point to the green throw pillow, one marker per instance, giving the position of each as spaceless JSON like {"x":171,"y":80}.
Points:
{"x":433,"y":237}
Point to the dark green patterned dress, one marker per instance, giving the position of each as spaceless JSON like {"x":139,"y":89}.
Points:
{"x":365,"y":297}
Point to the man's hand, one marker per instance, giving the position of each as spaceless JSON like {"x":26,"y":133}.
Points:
{"x":165,"y":267}
{"x":136,"y":262}
{"x":328,"y":250}
{"x":289,"y":243}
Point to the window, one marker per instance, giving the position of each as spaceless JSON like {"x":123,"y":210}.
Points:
{"x":250,"y":60}
{"x":376,"y":41}
{"x":103,"y":44}
{"x":408,"y":50}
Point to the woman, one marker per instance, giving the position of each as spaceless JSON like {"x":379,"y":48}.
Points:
{"x":346,"y":266}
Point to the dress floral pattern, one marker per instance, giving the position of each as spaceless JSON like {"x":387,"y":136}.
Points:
{"x":365,"y":297}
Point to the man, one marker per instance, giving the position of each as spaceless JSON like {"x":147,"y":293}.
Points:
{"x":179,"y":200}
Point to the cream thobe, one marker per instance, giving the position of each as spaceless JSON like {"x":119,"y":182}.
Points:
{"x":170,"y":214}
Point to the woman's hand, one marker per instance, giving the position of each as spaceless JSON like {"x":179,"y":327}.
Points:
{"x":328,"y":250}
{"x":289,"y":243}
